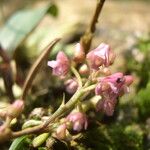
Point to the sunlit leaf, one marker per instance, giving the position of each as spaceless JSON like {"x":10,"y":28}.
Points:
{"x":19,"y":143}
{"x":20,"y":24}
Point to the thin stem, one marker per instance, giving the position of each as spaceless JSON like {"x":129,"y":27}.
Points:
{"x":86,"y":39}
{"x":7,"y":122}
{"x":4,"y":55}
{"x":98,"y":10}
{"x":6,"y":71}
{"x":77,"y":76}
{"x":89,"y":88}
{"x":59,"y":112}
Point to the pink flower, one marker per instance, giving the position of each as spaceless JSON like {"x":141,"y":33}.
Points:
{"x":60,"y":65}
{"x":111,"y":83}
{"x":79,"y":54}
{"x":79,"y":121}
{"x":106,"y":106}
{"x":84,"y":70}
{"x":61,"y":131}
{"x":102,"y":55}
{"x":71,"y":85}
{"x":16,"y":108}
{"x":110,"y":88}
{"x":128,"y":79}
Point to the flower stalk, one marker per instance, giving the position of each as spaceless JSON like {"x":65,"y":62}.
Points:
{"x":86,"y":39}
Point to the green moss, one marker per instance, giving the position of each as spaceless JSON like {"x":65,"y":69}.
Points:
{"x":143,"y":102}
{"x":114,"y":137}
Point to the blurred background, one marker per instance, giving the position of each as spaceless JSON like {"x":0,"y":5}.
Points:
{"x":27,"y":26}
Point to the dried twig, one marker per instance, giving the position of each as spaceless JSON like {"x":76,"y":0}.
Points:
{"x":36,"y":66}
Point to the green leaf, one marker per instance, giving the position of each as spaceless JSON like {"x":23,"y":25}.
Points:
{"x":20,"y":24}
{"x":19,"y":143}
{"x":143,"y":102}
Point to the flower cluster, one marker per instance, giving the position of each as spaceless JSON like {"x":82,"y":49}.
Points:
{"x":94,"y":65}
{"x":82,"y":75}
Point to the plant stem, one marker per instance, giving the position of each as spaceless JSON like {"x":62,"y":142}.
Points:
{"x":77,"y":76}
{"x":86,"y":39}
{"x":6,"y":71}
{"x":7,"y":122}
{"x":59,"y":112}
{"x":89,"y":88}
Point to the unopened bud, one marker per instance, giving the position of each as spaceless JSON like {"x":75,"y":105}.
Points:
{"x":128,"y":79}
{"x":84,"y":70}
{"x":78,"y":120}
{"x":71,"y":86}
{"x":15,"y":109}
{"x":79,"y":54}
{"x":61,"y":131}
{"x":106,"y":71}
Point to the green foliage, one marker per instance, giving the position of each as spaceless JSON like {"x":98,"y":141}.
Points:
{"x":139,"y":61}
{"x":143,"y":102}
{"x":144,"y":72}
{"x":114,"y":137}
{"x":21,"y":143}
{"x":20,"y":24}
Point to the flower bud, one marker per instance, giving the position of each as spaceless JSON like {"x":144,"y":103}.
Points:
{"x":79,"y":54}
{"x":106,"y":71}
{"x":15,"y":109}
{"x":128,"y":79}
{"x":61,"y":131}
{"x":37,"y":113}
{"x":71,"y":85}
{"x":84,"y":70}
{"x":78,"y":120}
